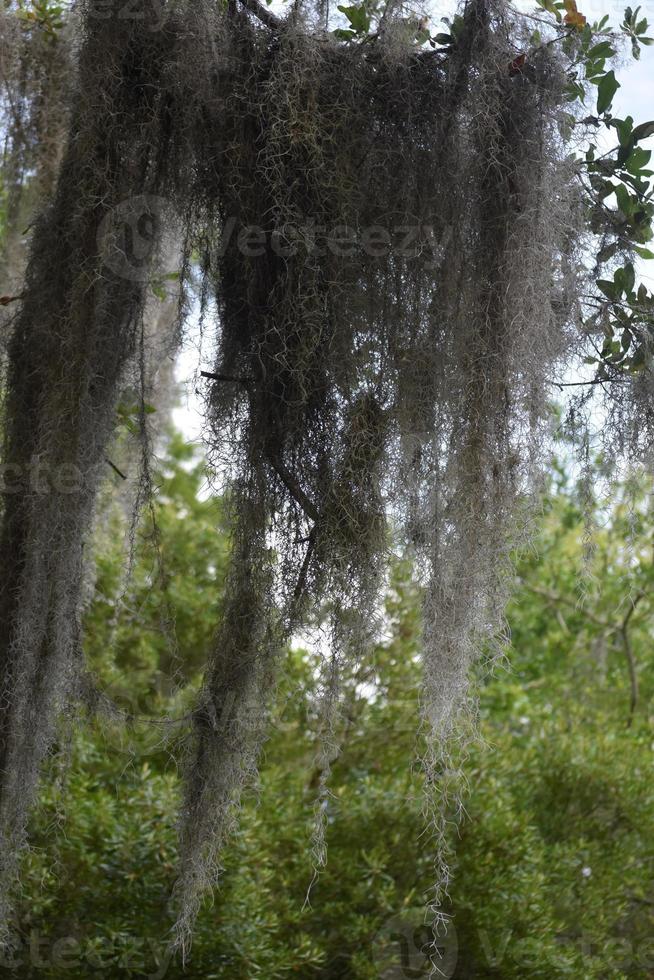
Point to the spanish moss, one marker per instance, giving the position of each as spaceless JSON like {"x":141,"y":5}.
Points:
{"x":388,"y":240}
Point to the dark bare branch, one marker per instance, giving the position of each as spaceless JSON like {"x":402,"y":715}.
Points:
{"x":263,"y":14}
{"x":226,"y":377}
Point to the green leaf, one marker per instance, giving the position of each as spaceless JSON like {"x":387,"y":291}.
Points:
{"x":642,"y":131}
{"x":629,"y":277}
{"x":607,"y":88}
{"x":645,"y":253}
{"x":358,"y":17}
{"x":637,"y":160}
{"x":601,"y":50}
{"x":624,"y":129}
{"x":574,"y":91}
{"x":457,"y":26}
{"x":610,"y":289}
{"x":625,"y":201}
{"x":608,"y":252}
{"x":552,"y":8}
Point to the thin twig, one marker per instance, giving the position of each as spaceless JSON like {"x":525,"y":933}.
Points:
{"x":595,"y":381}
{"x":304,"y":571}
{"x":295,"y":489}
{"x":631,"y":660}
{"x":282,"y":472}
{"x":226,"y":377}
{"x":554,"y":598}
{"x":115,"y":468}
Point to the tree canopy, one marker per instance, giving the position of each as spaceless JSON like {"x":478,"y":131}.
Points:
{"x":401,"y":243}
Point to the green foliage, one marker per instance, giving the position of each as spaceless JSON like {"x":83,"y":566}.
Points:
{"x":129,"y":414}
{"x":160,"y":285}
{"x":359,"y":19}
{"x":553,"y":864}
{"x":160,"y":622}
{"x":607,"y":86}
{"x":635,"y":28}
{"x":42,"y":14}
{"x":623,"y":316}
{"x":550,"y":874}
{"x":625,"y":230}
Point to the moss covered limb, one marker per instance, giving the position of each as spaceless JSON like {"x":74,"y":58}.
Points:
{"x":74,"y":336}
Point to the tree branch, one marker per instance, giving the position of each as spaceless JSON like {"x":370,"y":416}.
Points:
{"x":555,"y":598}
{"x":631,"y":660}
{"x":295,"y":489}
{"x":263,"y":14}
{"x":621,"y":630}
{"x":580,"y":384}
{"x":115,"y":468}
{"x":633,"y":677}
{"x":226,"y":377}
{"x":304,"y":571}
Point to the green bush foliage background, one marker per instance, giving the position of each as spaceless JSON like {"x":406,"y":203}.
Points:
{"x":553,"y":863}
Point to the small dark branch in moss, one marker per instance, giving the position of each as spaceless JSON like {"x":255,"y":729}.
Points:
{"x":226,"y":377}
{"x":115,"y":468}
{"x":301,"y":583}
{"x":295,"y":489}
{"x":261,"y":13}
{"x":595,"y":381}
{"x":631,"y":660}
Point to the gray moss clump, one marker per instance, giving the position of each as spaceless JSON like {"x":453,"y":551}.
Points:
{"x":386,"y":233}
